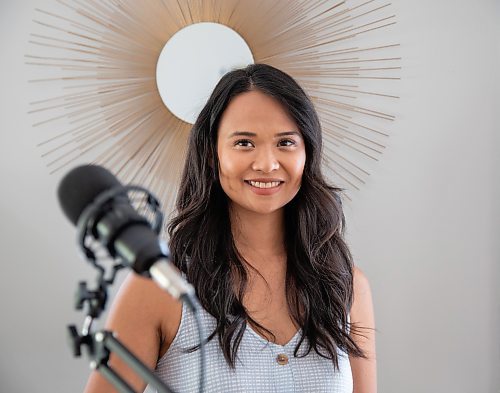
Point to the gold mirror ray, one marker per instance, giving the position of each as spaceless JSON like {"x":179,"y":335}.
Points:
{"x":103,"y":58}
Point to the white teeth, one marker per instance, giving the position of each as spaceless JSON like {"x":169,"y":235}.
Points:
{"x":260,"y":184}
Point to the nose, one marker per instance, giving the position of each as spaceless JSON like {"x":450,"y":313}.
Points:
{"x":265,"y":161}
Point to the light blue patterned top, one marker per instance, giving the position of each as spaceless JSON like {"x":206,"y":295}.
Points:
{"x":260,"y":366}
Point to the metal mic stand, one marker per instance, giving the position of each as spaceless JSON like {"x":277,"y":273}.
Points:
{"x":101,"y":344}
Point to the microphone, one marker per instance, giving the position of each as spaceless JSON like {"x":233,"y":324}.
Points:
{"x":91,"y":196}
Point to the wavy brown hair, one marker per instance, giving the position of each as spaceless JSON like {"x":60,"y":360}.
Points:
{"x":319,"y":276}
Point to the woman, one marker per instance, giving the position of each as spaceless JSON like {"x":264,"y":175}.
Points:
{"x":259,"y":234}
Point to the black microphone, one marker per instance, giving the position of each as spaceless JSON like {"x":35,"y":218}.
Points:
{"x":118,"y":226}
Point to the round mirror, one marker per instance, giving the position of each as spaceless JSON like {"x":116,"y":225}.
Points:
{"x":193,"y":61}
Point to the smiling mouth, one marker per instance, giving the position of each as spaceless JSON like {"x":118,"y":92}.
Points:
{"x":260,"y":184}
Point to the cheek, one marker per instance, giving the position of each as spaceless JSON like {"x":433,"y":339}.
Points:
{"x":229,"y":171}
{"x":225,"y":166}
{"x":298,"y":168}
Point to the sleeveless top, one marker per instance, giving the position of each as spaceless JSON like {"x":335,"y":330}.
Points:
{"x":261,"y":366}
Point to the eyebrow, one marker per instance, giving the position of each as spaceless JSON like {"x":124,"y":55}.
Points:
{"x":248,"y":133}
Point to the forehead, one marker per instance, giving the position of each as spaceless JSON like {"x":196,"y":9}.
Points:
{"x":255,"y":111}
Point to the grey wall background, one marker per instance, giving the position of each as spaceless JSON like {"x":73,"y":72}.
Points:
{"x":425,"y":229}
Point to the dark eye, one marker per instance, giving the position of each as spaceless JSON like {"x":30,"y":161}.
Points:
{"x":286,"y":142}
{"x":243,"y":143}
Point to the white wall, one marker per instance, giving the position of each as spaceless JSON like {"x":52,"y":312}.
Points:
{"x":424,"y":228}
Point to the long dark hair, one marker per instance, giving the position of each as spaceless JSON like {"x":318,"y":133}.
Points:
{"x":319,"y":276}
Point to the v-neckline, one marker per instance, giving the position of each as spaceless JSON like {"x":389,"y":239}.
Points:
{"x":265,"y":341}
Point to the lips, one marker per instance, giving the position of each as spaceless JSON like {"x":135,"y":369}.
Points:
{"x":264,"y":183}
{"x":260,"y":184}
{"x":264,"y":186}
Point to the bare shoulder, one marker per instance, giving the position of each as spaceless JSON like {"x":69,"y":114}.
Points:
{"x":364,"y":370}
{"x":362,"y":305}
{"x":140,"y":302}
{"x":361,"y":283}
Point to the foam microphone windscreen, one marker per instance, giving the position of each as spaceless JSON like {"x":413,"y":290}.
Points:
{"x":81,"y":186}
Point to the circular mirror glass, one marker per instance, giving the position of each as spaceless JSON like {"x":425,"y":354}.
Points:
{"x":193,"y":61}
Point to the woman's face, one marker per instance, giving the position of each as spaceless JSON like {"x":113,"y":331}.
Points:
{"x":261,"y":153}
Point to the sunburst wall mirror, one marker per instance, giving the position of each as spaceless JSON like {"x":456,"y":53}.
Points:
{"x":120,"y":83}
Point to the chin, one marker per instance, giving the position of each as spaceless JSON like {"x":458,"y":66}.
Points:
{"x":264,"y":209}
{"x":267,"y":211}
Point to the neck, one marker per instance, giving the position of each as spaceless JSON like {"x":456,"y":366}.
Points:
{"x":258,"y":237}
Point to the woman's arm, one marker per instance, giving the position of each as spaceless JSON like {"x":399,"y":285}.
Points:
{"x":364,"y":371}
{"x":137,"y":317}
